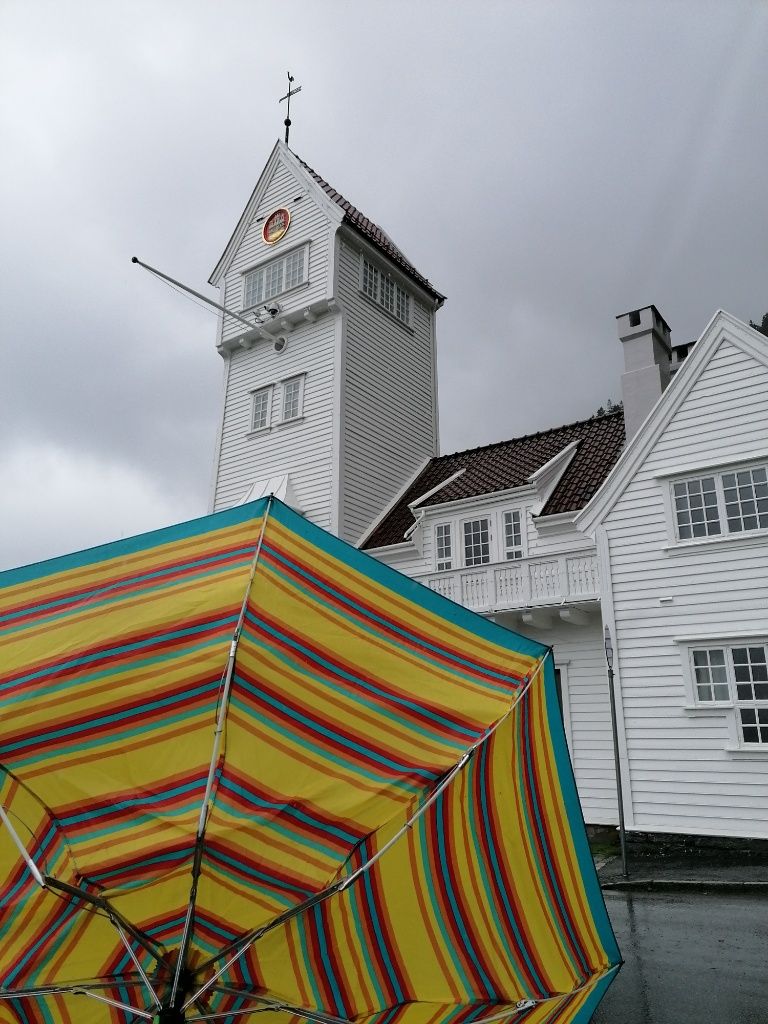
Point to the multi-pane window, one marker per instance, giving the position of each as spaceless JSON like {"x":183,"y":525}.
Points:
{"x":261,"y":406}
{"x":731,"y":502}
{"x":513,"y":541}
{"x":370,"y":279}
{"x":696,"y":508}
{"x":736,"y":675}
{"x":443,"y":548}
{"x":388,"y":294}
{"x":746,"y":499}
{"x":382,"y":289}
{"x":403,"y":308}
{"x":274,"y":277}
{"x":292,"y":398}
{"x":710,"y":675}
{"x":294,"y":268}
{"x":477,"y":541}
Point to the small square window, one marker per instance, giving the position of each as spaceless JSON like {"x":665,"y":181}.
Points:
{"x":261,"y":408}
{"x":293,"y":393}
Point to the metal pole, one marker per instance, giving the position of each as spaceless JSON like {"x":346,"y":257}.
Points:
{"x":616,"y":759}
{"x":198,"y":295}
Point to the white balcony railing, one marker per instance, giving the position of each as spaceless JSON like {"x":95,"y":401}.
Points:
{"x":527,"y":583}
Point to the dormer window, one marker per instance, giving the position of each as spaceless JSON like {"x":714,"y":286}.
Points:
{"x":383,"y":290}
{"x":275,"y":277}
{"x":477,"y":541}
{"x":443,"y":547}
{"x":513,"y":536}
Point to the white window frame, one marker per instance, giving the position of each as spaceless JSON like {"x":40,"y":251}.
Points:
{"x":298,"y":379}
{"x":730,"y":708}
{"x":445,"y":563}
{"x":725,"y":531}
{"x":274,"y":261}
{"x":487,"y":517}
{"x":386,"y":291}
{"x":256,"y":394}
{"x":513,"y":553}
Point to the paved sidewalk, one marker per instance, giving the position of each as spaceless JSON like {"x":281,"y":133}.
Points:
{"x":689,"y":874}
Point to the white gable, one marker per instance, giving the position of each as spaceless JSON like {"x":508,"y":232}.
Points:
{"x":716,"y":370}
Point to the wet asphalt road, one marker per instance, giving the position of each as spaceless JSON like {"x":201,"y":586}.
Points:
{"x":699,"y":958}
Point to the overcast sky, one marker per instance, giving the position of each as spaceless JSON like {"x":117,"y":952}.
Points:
{"x":546,"y":165}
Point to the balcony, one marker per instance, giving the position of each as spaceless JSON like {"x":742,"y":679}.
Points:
{"x":526,"y":583}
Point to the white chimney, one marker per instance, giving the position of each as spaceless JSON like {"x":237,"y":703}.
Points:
{"x":646,"y":338}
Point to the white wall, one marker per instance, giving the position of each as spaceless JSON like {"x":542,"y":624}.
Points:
{"x":389,"y":399}
{"x":682,"y":777}
{"x":304,"y":449}
{"x":308,"y":223}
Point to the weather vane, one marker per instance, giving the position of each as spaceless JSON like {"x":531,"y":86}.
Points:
{"x":291,"y":92}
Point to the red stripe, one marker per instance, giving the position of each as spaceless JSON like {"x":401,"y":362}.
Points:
{"x":120,"y":585}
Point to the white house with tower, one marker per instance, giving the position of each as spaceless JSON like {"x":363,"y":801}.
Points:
{"x":652,"y":520}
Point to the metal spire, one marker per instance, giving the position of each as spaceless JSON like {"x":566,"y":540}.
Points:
{"x":291,"y":92}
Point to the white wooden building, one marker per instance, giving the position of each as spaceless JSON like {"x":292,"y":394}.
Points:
{"x":330,"y":401}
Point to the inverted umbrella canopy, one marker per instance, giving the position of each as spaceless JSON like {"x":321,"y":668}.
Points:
{"x":245,"y":768}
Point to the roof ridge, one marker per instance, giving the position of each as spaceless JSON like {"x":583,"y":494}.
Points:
{"x":374,"y":232}
{"x":527,"y":437}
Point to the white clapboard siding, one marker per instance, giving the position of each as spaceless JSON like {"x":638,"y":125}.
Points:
{"x":388,"y":403}
{"x":682,"y":776}
{"x":308,"y":224}
{"x":303,"y":449}
{"x":579,"y":649}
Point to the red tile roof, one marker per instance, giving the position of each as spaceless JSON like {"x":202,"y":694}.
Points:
{"x":508,"y":464}
{"x":372,"y":232}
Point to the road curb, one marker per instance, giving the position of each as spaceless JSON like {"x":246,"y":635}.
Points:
{"x":682,"y":885}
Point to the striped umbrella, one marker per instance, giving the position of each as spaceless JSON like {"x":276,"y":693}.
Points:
{"x":246,"y":769}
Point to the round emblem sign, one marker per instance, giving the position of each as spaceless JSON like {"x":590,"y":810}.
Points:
{"x":275,"y":226}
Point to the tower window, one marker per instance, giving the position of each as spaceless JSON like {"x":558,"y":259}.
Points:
{"x":293,"y":398}
{"x":261,"y":408}
{"x":385,"y":291}
{"x":275,"y":277}
{"x":370,"y":280}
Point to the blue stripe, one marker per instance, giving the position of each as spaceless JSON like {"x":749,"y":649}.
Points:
{"x":138,"y":645}
{"x":448,"y":888}
{"x":122,"y":716}
{"x":321,"y":730}
{"x":527,"y":727}
{"x":112,"y":585}
{"x":407,"y":588}
{"x":340,"y":1006}
{"x":575,"y":817}
{"x":500,"y":884}
{"x":133,"y":545}
{"x":414,"y":638}
{"x":286,"y":810}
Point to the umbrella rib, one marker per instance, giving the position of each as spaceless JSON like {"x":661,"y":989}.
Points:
{"x":50,"y":882}
{"x":276,"y":1004}
{"x":73,"y":990}
{"x":243,"y":944}
{"x":205,"y":808}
